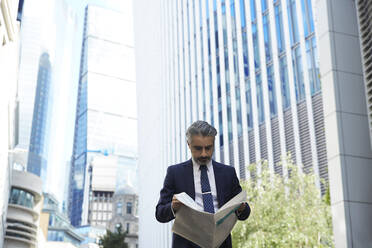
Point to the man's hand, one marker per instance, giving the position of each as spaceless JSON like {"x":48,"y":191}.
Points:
{"x":242,"y":207}
{"x":176,"y":204}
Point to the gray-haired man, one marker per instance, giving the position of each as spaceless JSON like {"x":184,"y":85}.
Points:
{"x":208,"y":182}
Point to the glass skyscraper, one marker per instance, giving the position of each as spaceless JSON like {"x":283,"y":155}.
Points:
{"x":275,"y":77}
{"x":106,"y":113}
{"x":250,"y":68}
{"x":37,"y":163}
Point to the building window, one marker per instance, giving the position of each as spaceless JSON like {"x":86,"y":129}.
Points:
{"x":119,"y":208}
{"x":128,"y":226}
{"x":129,"y":208}
{"x":307,"y":14}
{"x":284,"y":82}
{"x":292,"y":19}
{"x":21,"y":197}
{"x":298,"y":74}
{"x":279,"y":28}
{"x":267,"y":39}
{"x":272,"y":95}
{"x":260,"y":106}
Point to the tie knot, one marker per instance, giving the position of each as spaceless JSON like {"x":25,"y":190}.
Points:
{"x":203,"y":167}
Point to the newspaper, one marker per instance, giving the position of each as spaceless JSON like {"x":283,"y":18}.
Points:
{"x":205,"y":229}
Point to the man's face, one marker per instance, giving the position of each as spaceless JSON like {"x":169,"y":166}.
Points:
{"x":201,"y":148}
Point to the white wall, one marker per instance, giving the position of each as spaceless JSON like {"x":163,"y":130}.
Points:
{"x":150,"y":123}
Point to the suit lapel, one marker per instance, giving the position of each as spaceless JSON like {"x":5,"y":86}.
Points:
{"x":218,"y":177}
{"x":189,"y":177}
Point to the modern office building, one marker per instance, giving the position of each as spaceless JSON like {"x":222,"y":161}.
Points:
{"x":9,"y":55}
{"x":37,"y":163}
{"x":274,"y":77}
{"x":106,"y":110}
{"x":22,"y":220}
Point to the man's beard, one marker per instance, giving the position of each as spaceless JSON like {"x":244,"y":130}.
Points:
{"x":203,"y":160}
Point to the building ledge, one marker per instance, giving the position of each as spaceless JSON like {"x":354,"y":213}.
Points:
{"x":34,"y":214}
{"x":26,"y":241}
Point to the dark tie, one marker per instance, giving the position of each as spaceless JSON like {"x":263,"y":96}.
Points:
{"x":206,"y":190}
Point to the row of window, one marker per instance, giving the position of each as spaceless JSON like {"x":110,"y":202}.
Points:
{"x":21,"y":197}
{"x":119,"y":208}
{"x":188,"y":15}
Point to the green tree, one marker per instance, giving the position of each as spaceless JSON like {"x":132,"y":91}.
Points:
{"x":285,"y":212}
{"x":113,"y":239}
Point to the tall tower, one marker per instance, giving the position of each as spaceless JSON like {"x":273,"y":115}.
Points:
{"x":37,"y":163}
{"x":106,"y":110}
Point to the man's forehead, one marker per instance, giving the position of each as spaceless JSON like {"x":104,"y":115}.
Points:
{"x":202,"y":139}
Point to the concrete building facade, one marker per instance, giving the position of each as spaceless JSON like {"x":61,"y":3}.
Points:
{"x":22,"y":220}
{"x":125,"y":213}
{"x":273,"y":76}
{"x":349,"y":153}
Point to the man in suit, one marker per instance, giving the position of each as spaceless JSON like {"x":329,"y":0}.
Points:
{"x":209,"y":183}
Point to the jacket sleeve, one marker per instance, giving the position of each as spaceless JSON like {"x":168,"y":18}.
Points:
{"x":163,"y":211}
{"x":236,"y":189}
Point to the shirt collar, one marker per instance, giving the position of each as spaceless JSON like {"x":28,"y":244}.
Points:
{"x":195,"y":164}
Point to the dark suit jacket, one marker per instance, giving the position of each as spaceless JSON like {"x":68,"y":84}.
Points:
{"x":180,"y":178}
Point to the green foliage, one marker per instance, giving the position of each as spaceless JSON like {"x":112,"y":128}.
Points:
{"x":285,"y":212}
{"x":113,"y":239}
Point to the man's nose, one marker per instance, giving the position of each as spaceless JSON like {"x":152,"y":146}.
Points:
{"x":204,"y":152}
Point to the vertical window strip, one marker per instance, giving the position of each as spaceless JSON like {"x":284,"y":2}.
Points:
{"x":298,"y":75}
{"x":184,"y":71}
{"x":248,"y":99}
{"x":313,"y":69}
{"x":220,"y":122}
{"x":279,"y":28}
{"x":196,"y":100}
{"x":218,"y":74}
{"x":248,"y":96}
{"x":255,"y":35}
{"x":315,"y":57}
{"x":236,"y":69}
{"x":263,"y":5}
{"x":202,"y":60}
{"x":308,"y":18}
{"x":189,"y":60}
{"x":267,"y":38}
{"x":255,"y":46}
{"x":272,"y":94}
{"x":244,"y":38}
{"x":209,"y":63}
{"x":284,"y":82}
{"x":260,"y":106}
{"x":179,"y":82}
{"x":292,"y":20}
{"x":253,"y":10}
{"x":227,"y":68}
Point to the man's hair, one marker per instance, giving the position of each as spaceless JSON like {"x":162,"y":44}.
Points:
{"x":200,"y":128}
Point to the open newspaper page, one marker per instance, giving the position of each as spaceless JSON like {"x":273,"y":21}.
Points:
{"x":205,"y":229}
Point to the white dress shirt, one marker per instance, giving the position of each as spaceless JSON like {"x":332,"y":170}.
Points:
{"x":197,"y":184}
